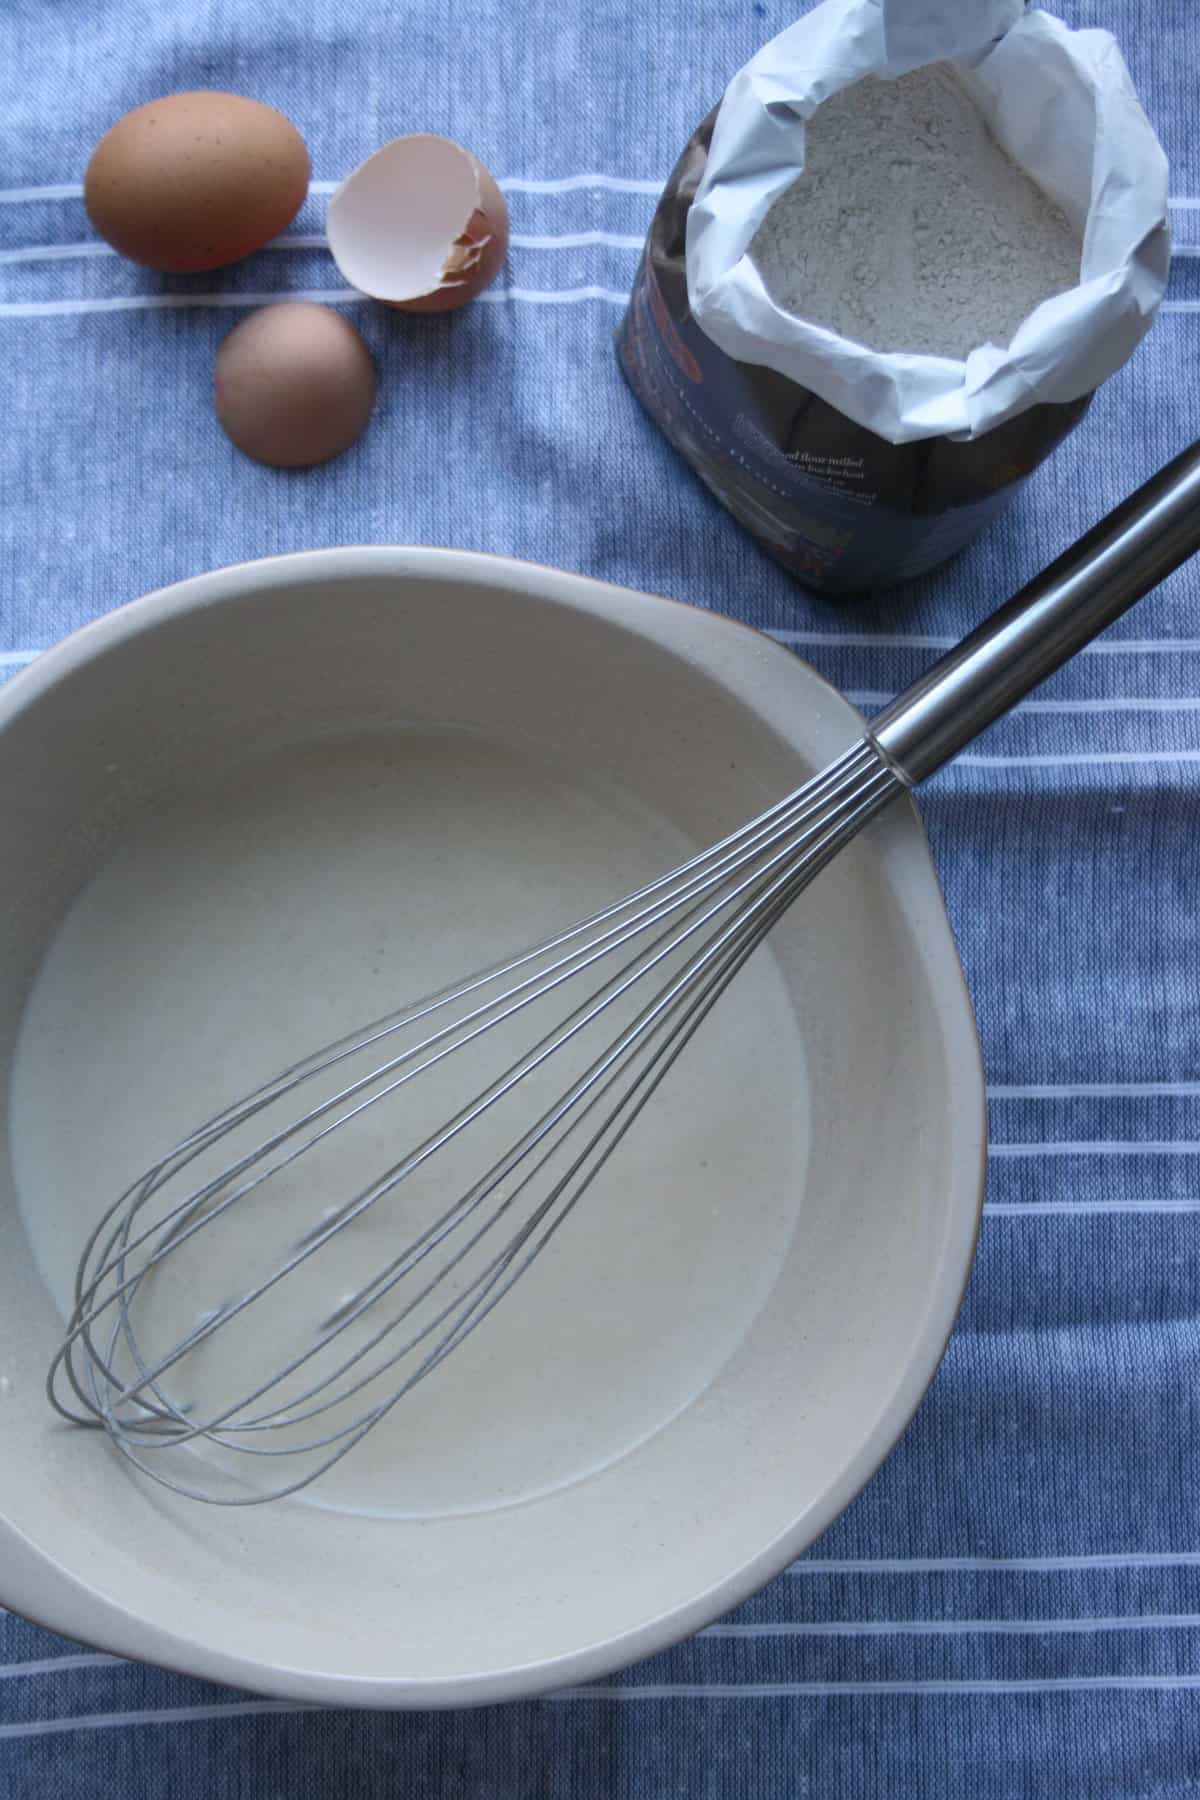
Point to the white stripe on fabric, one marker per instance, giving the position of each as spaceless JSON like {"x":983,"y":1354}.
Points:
{"x":1077,"y":759}
{"x":51,"y":1665}
{"x":1095,"y":1090}
{"x":867,"y":640}
{"x":1180,"y":306}
{"x":1073,"y":759}
{"x":698,"y":1690}
{"x":571,"y":184}
{"x":17,"y":659}
{"x":1102,"y":704}
{"x":36,"y":309}
{"x":553,"y":296}
{"x":996,"y":1565}
{"x":317,"y":240}
{"x":561,"y":184}
{"x":512,"y":184}
{"x":1060,"y":1209}
{"x":1100,"y":1147}
{"x":576,"y":240}
{"x":852,"y":1628}
{"x":833,"y":1690}
{"x":555,"y":184}
{"x":34,"y":253}
{"x":165,"y":1715}
{"x":59,"y":190}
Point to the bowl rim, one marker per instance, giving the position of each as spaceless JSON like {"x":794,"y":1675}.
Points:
{"x":44,"y":1591}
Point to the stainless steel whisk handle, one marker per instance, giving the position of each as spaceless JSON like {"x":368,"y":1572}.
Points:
{"x":1130,"y":551}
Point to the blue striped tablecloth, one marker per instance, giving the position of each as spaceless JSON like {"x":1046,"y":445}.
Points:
{"x":1013,"y":1605}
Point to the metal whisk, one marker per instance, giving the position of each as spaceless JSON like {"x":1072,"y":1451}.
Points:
{"x":601,"y":1013}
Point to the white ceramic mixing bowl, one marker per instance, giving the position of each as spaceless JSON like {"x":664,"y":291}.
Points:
{"x":705,"y":722}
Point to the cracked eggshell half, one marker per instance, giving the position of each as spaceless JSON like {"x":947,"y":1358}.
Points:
{"x":421,"y":225}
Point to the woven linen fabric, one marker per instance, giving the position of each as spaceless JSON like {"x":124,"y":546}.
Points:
{"x":1012,"y":1607}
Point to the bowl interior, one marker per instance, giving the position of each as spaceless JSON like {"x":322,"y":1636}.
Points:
{"x":699,"y":723}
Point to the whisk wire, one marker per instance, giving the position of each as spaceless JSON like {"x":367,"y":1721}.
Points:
{"x":712,"y":911}
{"x":769,"y":829}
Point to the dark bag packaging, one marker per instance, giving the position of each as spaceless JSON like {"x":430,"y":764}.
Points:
{"x":855,"y":468}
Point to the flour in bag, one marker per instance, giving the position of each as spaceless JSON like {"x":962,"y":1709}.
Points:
{"x":865,"y":357}
{"x":911,"y":229}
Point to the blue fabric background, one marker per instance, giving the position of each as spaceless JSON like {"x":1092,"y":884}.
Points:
{"x":1013,"y":1605}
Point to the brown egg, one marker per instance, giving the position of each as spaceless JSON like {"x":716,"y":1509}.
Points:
{"x":196,"y":180}
{"x":421,"y":225}
{"x":294,"y":384}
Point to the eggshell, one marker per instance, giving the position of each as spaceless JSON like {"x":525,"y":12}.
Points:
{"x":421,"y":225}
{"x":196,"y":180}
{"x":294,"y":384}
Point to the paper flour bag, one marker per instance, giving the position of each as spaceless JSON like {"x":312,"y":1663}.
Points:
{"x":887,"y":274}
